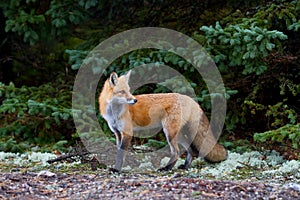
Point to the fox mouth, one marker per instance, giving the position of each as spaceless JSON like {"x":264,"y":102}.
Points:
{"x":131,"y":101}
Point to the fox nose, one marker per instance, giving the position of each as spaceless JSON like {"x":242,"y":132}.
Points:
{"x":132,"y":101}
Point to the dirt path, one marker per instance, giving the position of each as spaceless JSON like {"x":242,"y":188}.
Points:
{"x":135,"y":186}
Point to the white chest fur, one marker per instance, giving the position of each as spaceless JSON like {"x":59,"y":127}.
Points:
{"x":114,"y":111}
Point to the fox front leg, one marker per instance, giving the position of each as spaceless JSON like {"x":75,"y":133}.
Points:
{"x":123,"y":142}
{"x":118,"y":144}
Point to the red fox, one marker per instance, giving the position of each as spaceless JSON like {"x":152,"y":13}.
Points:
{"x":181,"y":118}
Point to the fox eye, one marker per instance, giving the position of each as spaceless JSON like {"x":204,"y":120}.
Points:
{"x":122,"y":92}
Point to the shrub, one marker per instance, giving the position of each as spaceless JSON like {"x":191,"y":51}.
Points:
{"x":34,"y":20}
{"x":33,"y":116}
{"x":242,"y":45}
{"x":288,"y":133}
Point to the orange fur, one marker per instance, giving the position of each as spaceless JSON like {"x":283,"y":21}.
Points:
{"x":181,"y":118}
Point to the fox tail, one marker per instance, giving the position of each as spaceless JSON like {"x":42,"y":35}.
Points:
{"x":203,"y":142}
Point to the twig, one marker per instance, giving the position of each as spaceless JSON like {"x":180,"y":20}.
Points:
{"x":64,"y":157}
{"x":249,"y":166}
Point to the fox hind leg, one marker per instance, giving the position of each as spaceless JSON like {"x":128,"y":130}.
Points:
{"x":172,"y":138}
{"x":189,"y":153}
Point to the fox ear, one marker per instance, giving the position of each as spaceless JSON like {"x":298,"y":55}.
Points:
{"x":113,"y":79}
{"x":127,"y":76}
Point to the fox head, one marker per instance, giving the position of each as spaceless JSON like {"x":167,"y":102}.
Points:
{"x":120,"y":89}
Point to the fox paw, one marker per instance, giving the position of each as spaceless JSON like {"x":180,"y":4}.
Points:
{"x":166,"y":168}
{"x":183,"y":166}
{"x":114,"y":171}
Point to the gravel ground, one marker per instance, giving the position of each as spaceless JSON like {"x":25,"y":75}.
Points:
{"x":47,"y":185}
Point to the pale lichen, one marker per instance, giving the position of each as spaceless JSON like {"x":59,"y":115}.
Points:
{"x":253,"y":165}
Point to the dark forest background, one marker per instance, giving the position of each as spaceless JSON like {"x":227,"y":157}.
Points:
{"x":255,"y":45}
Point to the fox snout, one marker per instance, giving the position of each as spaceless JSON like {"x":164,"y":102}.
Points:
{"x":131,"y":101}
